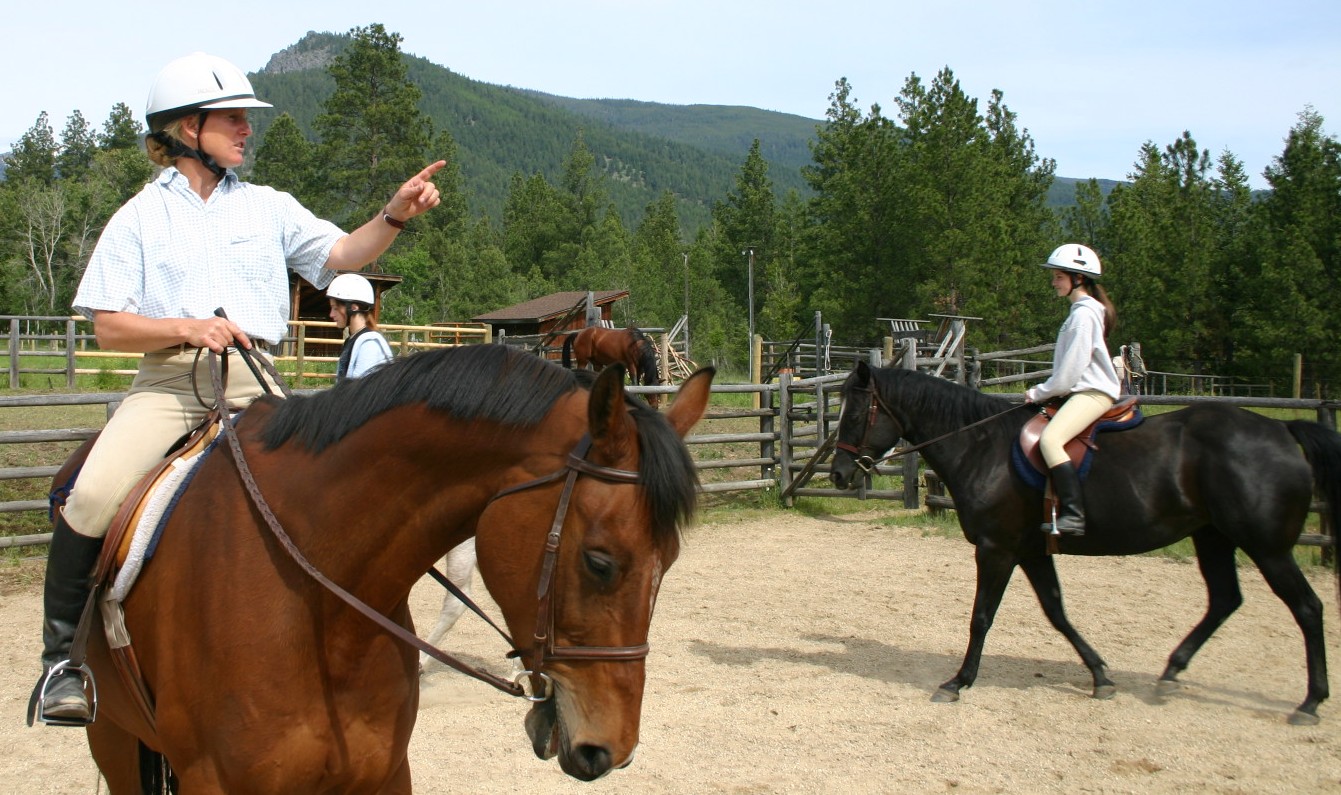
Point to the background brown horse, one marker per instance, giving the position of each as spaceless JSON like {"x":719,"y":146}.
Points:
{"x":600,"y":347}
{"x":264,"y":681}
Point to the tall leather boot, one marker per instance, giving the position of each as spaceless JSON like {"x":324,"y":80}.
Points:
{"x":1070,"y":503}
{"x":70,"y":563}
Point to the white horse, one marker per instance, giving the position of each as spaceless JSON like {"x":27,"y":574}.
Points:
{"x":459,"y":566}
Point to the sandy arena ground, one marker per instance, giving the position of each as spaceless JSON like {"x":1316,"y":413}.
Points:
{"x":798,"y":654}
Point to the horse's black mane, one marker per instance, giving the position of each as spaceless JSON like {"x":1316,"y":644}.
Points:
{"x":924,"y":395}
{"x":487,"y":382}
{"x":496,"y":383}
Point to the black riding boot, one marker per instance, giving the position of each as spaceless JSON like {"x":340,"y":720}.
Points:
{"x":1070,"y":503}
{"x":70,"y":563}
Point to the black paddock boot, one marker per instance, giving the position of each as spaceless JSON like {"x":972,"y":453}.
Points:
{"x":1070,"y":503}
{"x":70,"y":563}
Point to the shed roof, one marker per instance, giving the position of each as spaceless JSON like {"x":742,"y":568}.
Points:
{"x":549,"y":306}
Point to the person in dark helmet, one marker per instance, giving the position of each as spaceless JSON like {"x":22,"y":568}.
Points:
{"x":195,"y":239}
{"x":1082,"y":374}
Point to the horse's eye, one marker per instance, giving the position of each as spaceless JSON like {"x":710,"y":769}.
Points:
{"x":601,"y":566}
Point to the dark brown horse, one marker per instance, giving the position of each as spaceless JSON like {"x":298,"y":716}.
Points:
{"x":264,"y":681}
{"x":1229,"y":478}
{"x":601,"y":347}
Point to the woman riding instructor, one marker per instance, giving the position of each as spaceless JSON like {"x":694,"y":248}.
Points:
{"x":195,"y":239}
{"x":1082,"y":374}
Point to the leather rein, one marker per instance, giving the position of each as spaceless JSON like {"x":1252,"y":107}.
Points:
{"x":543,"y":648}
{"x":866,"y":463}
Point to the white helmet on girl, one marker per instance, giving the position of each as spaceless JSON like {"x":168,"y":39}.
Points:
{"x":351,"y":287}
{"x":198,"y":82}
{"x":1075,"y":258}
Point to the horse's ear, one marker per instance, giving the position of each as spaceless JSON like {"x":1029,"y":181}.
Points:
{"x":863,"y":371}
{"x":612,"y":429}
{"x":691,"y":401}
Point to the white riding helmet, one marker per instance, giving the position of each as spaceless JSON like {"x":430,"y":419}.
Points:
{"x":1075,"y":258}
{"x":198,"y":82}
{"x":351,"y":287}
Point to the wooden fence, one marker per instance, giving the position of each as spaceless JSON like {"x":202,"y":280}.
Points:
{"x":33,"y":341}
{"x":782,"y":441}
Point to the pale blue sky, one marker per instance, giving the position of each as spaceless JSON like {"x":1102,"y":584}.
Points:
{"x":1091,"y":81}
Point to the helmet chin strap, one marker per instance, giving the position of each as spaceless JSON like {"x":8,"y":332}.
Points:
{"x":178,"y":149}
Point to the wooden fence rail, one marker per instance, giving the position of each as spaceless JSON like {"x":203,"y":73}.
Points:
{"x":782,"y":444}
{"x":42,"y":339}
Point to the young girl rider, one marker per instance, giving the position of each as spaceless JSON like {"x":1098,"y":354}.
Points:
{"x":1082,"y":374}
{"x":351,"y":298}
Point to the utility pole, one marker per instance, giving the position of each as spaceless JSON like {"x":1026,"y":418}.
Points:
{"x":750,"y":299}
{"x":686,"y":306}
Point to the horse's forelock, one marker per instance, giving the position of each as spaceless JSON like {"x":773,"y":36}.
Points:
{"x":667,"y":474}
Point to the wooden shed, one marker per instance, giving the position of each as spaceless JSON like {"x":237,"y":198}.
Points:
{"x":552,"y":314}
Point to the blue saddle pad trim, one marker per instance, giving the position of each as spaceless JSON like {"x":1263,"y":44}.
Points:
{"x":1038,"y":481}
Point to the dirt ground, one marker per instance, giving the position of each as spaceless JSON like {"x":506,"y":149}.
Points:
{"x":799,"y":654}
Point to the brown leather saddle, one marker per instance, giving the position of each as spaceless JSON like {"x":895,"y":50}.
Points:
{"x":1126,"y":413}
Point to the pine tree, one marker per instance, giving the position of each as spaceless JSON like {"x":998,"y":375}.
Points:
{"x":373,"y":135}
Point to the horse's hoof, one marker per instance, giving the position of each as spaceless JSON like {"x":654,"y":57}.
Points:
{"x":1167,"y":687}
{"x":1104,"y":692}
{"x":944,"y":696}
{"x":1301,"y":718}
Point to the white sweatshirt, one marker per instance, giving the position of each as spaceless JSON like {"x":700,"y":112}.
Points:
{"x":1081,"y":362}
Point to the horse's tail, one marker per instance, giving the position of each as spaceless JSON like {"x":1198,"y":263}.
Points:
{"x":568,"y":350}
{"x":1322,"y":448}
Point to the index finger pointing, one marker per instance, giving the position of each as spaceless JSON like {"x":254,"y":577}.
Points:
{"x":428,"y":173}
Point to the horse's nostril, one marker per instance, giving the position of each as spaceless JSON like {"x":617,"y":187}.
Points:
{"x":592,"y":761}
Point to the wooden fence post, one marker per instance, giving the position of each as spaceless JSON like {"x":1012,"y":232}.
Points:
{"x":14,"y":353}
{"x":70,"y":354}
{"x":785,"y":434}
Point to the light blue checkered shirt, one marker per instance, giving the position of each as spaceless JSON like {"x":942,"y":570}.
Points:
{"x":168,"y":254}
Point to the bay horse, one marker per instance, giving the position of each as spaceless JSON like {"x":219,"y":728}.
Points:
{"x":1229,"y":478}
{"x":264,"y":681}
{"x":601,"y":347}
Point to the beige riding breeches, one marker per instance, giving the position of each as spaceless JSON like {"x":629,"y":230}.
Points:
{"x":1076,"y":414}
{"x":159,"y":409}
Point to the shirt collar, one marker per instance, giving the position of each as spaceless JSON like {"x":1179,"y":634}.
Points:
{"x":171,"y":177}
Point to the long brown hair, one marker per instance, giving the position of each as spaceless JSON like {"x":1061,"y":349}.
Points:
{"x":1099,"y":294}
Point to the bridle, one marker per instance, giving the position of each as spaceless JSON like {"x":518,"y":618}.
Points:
{"x":866,"y":463}
{"x":543,"y":648}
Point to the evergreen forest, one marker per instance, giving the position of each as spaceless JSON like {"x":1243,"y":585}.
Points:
{"x":935,"y":202}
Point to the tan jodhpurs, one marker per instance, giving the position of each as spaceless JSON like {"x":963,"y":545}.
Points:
{"x":159,"y":409}
{"x":1075,"y":415}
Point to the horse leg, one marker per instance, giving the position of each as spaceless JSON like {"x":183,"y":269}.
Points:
{"x":459,"y":566}
{"x":1215,"y":559}
{"x":1042,"y":574}
{"x":117,"y":754}
{"x":1288,"y":582}
{"x":400,"y":783}
{"x":994,"y":570}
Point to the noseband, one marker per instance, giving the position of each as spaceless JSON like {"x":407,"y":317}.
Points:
{"x":543,"y":646}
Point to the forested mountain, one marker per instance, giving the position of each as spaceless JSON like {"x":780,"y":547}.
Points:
{"x":693,"y":151}
{"x":715,"y":213}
